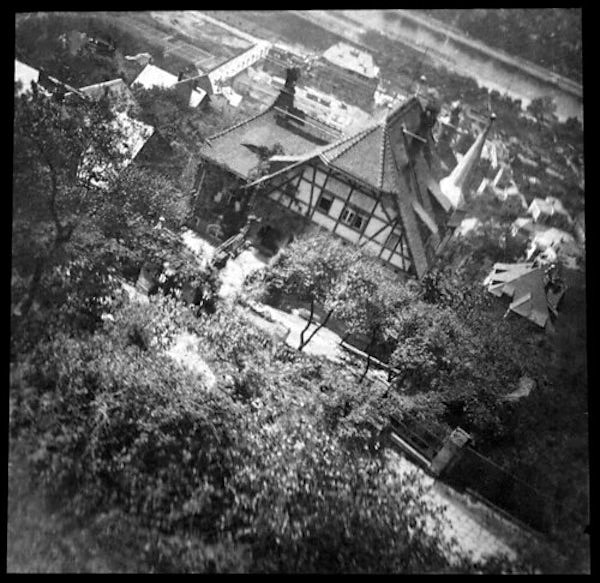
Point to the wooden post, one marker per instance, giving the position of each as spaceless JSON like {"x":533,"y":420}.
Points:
{"x":450,"y":452}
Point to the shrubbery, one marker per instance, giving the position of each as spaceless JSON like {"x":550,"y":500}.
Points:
{"x":121,"y":431}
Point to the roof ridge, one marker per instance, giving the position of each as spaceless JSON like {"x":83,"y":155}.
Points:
{"x":239,"y":124}
{"x":401,"y":108}
{"x":109,"y":82}
{"x":351,"y":142}
{"x":384,"y":139}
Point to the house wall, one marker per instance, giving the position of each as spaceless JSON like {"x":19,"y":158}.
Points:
{"x":302,"y":191}
{"x":238,"y":64}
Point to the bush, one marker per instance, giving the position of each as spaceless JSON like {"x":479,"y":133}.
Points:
{"x":117,"y":426}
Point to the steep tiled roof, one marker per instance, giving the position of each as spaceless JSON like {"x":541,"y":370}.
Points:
{"x":377,"y":156}
{"x":275,"y":125}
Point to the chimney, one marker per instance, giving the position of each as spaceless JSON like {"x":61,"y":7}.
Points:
{"x":43,"y":78}
{"x":180,"y":76}
{"x":452,"y":185}
{"x":285,"y":99}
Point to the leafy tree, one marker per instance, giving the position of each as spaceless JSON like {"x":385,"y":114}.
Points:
{"x":50,"y":195}
{"x":304,"y":505}
{"x":146,"y":448}
{"x":308,"y":269}
{"x":167,"y":110}
{"x":366,"y":298}
{"x":542,"y":108}
{"x":430,"y":347}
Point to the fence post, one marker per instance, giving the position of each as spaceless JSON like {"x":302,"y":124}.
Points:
{"x":450,"y":452}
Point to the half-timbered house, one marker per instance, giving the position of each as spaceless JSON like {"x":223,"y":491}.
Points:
{"x":378,"y":189}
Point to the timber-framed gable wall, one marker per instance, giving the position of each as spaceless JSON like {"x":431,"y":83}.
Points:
{"x":348,"y":208}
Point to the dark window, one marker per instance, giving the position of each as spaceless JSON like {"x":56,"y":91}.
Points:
{"x":354,"y":218}
{"x":325,"y":201}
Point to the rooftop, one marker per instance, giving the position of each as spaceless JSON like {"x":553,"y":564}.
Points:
{"x":134,"y":134}
{"x":153,"y":76}
{"x":346,"y":56}
{"x":116,"y":90}
{"x":525,"y":284}
{"x":275,"y":125}
{"x":378,"y":157}
{"x":26,"y":75}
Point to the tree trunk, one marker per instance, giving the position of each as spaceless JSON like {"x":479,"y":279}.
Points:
{"x":63,"y":235}
{"x":321,"y":325}
{"x":367,"y":350}
{"x":310,"y":319}
{"x":364,"y":374}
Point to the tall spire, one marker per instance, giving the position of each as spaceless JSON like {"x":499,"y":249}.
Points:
{"x":452,"y":185}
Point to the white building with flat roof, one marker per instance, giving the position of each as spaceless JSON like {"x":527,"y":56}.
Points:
{"x":346,"y":56}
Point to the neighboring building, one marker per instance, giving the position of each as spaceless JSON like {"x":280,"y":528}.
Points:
{"x":26,"y":76}
{"x":579,"y":227}
{"x":513,"y":202}
{"x":348,"y":57}
{"x":323,"y":106}
{"x":135,"y":137}
{"x":535,"y":293}
{"x":153,"y":76}
{"x":549,"y":211}
{"x":347,"y":73}
{"x":117,"y":91}
{"x":234,"y":66}
{"x":233,"y":98}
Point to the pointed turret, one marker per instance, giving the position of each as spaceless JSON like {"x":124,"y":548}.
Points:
{"x":452,"y":185}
